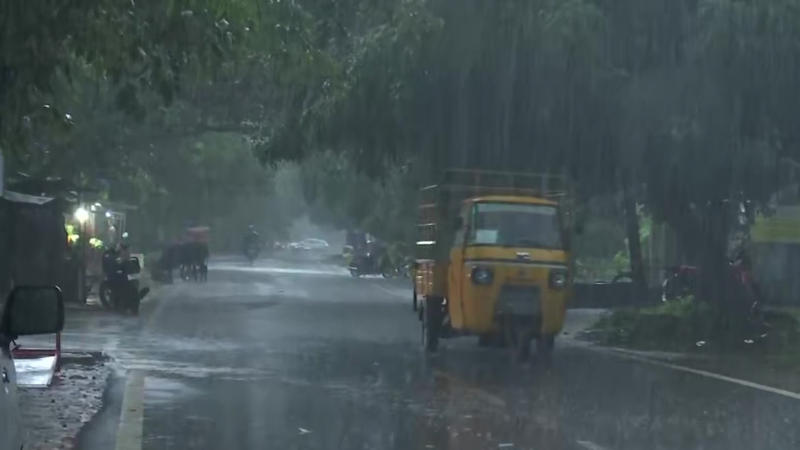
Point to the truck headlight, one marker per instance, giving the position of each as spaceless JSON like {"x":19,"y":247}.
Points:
{"x":558,"y":279}
{"x":482,"y":275}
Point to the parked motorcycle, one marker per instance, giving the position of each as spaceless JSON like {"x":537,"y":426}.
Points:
{"x":402,"y":270}
{"x":682,"y":281}
{"x":120,"y":289}
{"x":370,"y":264}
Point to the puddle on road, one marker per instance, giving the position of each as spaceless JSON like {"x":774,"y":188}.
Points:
{"x":188,"y":370}
{"x":216,"y":289}
{"x":163,"y":391}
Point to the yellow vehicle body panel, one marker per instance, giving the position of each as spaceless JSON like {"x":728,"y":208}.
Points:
{"x":430,"y":278}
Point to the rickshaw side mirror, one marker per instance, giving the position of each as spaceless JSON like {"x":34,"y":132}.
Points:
{"x":33,"y":310}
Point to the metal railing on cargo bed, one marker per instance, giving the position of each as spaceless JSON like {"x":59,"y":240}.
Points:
{"x":440,"y":202}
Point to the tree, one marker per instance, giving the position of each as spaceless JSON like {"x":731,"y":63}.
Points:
{"x":681,"y":104}
{"x":137,"y":46}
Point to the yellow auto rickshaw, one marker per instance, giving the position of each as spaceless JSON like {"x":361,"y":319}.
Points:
{"x":493,"y":259}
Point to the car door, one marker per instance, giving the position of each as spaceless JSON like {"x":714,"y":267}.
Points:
{"x":9,"y":409}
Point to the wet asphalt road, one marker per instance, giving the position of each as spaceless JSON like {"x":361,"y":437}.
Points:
{"x":298,"y":355}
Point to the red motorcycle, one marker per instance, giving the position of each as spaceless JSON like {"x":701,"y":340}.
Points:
{"x":683,"y":280}
{"x":680,"y":281}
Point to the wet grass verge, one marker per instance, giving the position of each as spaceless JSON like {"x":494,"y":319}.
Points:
{"x":694,"y":327}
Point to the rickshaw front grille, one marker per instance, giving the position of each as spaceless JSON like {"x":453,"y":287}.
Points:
{"x":518,"y":300}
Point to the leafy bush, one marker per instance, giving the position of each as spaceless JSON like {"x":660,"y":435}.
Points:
{"x":668,"y":326}
{"x":689,"y":324}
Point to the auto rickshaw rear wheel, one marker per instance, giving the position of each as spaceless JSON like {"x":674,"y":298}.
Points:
{"x":431,"y":323}
{"x":544,"y":347}
{"x":518,"y":336}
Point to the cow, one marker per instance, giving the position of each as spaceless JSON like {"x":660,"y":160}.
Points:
{"x":192,"y":260}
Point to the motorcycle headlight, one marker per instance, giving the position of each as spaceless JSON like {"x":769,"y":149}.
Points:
{"x":482,"y":275}
{"x":558,"y":278}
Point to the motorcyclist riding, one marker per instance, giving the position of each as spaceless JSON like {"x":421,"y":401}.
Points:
{"x":251,"y":244}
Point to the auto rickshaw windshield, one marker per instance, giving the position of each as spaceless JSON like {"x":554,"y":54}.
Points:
{"x":515,"y":225}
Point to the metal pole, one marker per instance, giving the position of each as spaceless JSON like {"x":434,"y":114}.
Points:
{"x":82,"y":294}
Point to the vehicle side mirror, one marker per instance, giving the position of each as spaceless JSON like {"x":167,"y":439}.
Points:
{"x":132,"y":266}
{"x":33,"y":310}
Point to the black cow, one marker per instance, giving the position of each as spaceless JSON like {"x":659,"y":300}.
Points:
{"x":190,"y":258}
{"x":193,"y":257}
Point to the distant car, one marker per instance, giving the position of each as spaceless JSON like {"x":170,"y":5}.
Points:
{"x":314,"y":244}
{"x":309,"y":244}
{"x":28,"y":310}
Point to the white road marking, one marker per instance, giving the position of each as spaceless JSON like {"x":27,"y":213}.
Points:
{"x":707,"y":374}
{"x":589,"y":445}
{"x":129,"y":433}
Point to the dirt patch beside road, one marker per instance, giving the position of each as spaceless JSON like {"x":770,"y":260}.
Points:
{"x":52,"y":417}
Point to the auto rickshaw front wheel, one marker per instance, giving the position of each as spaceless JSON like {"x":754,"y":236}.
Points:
{"x":431,"y":323}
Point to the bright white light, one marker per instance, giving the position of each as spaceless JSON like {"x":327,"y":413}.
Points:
{"x":81,"y":215}
{"x":108,"y":214}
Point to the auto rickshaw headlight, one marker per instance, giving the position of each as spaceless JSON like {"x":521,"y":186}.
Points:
{"x":482,"y":275}
{"x":558,"y":278}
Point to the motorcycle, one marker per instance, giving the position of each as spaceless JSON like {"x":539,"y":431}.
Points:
{"x":251,"y":253}
{"x":370,"y":264}
{"x":682,"y":281}
{"x":402,"y":270}
{"x":120,"y":289}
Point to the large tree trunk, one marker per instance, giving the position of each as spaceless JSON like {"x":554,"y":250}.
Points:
{"x":634,"y":244}
{"x":713,"y":256}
